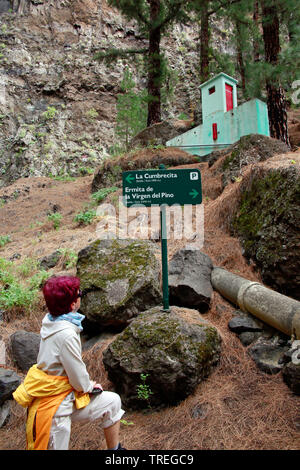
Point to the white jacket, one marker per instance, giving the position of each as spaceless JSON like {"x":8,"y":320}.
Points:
{"x":60,"y":353}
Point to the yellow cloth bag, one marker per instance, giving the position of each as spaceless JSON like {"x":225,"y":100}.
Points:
{"x":42,"y":394}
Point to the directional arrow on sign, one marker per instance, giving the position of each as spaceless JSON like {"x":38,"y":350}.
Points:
{"x":129,"y":178}
{"x":194,"y":193}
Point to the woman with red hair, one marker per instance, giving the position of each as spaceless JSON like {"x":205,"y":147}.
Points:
{"x":58,"y":386}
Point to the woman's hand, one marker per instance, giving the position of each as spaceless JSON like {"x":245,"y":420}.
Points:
{"x":96,"y":385}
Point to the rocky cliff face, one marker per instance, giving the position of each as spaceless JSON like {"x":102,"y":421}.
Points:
{"x":57,"y":104}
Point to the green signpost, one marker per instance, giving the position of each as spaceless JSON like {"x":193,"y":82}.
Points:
{"x":158,"y":187}
{"x":162,"y":188}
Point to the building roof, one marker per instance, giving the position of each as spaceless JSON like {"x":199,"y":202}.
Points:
{"x":217,"y":76}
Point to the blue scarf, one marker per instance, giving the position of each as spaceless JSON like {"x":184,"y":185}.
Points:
{"x":73,"y":317}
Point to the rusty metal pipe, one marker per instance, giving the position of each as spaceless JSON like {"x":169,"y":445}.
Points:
{"x":277,"y":310}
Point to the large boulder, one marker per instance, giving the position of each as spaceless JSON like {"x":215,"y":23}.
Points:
{"x":249,"y":149}
{"x":268,"y":223}
{"x":9,"y":381}
{"x":160,"y":133}
{"x":174,"y":351}
{"x":189,"y":279}
{"x":25,"y":348}
{"x":109,"y":173}
{"x":119,"y":279}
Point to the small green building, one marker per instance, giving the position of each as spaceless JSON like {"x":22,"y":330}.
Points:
{"x":224,"y":122}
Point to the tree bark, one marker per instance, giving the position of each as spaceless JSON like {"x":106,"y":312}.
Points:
{"x":204,"y":42}
{"x":277,"y":113}
{"x":240,"y":57}
{"x":256,"y":22}
{"x":155,"y":66}
{"x":275,"y":95}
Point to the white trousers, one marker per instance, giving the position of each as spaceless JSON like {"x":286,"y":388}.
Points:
{"x":105,"y":407}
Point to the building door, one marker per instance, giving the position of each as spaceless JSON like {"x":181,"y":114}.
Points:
{"x":229,"y":97}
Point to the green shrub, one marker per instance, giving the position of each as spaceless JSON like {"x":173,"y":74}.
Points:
{"x":85,"y":218}
{"x":69,"y":258}
{"x":143,"y":390}
{"x":38,"y":279}
{"x":28,"y":266}
{"x":50,"y":113}
{"x":6,"y":276}
{"x":20,"y":286}
{"x":183,"y":116}
{"x":102,"y":193}
{"x":4,"y":239}
{"x":56,"y":219}
{"x":17,"y":295}
{"x":92,"y":114}
{"x":86,"y":170}
{"x":63,"y":178}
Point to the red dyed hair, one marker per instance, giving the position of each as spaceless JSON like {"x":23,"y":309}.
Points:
{"x":59,"y":293}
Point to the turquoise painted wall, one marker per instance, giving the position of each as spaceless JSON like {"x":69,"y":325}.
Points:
{"x":249,"y":118}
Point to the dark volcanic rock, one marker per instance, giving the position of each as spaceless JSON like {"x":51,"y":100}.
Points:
{"x":9,"y":381}
{"x":25,"y":348}
{"x":291,"y":376}
{"x":242,"y":324}
{"x":268,"y":225}
{"x":267,"y":355}
{"x":175,"y":351}
{"x":189,"y":279}
{"x":249,"y":149}
{"x":50,"y":261}
{"x":159,"y":133}
{"x":4,"y":413}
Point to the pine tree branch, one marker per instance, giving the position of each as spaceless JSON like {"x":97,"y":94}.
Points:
{"x":222,"y":5}
{"x":173,"y":12}
{"x":133,"y":10}
{"x":112,"y":54}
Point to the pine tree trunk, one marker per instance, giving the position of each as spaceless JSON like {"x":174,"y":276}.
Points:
{"x":277,"y":113}
{"x":256,"y":21}
{"x":240,"y":57}
{"x":155,"y":66}
{"x":204,"y":43}
{"x":275,"y":95}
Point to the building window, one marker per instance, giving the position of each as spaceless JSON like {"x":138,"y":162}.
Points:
{"x":211,"y":90}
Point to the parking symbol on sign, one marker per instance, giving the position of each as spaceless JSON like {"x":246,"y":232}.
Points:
{"x":194,"y":175}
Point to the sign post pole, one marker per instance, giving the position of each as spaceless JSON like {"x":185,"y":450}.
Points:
{"x":164,"y":257}
{"x":164,"y":253}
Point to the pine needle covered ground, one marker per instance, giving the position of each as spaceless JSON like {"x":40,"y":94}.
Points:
{"x":237,"y":407}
